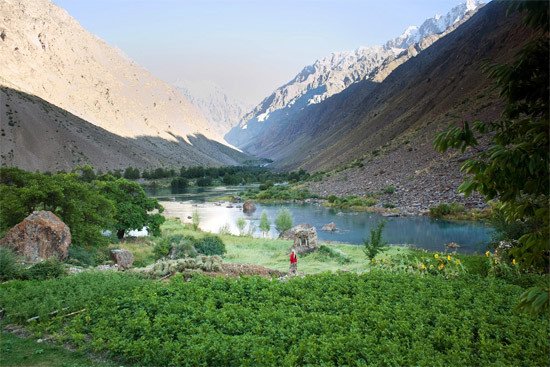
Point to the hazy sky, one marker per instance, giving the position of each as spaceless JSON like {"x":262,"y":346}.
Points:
{"x":248,"y":47}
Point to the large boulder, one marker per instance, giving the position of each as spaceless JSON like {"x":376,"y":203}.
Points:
{"x":330,"y":227}
{"x":304,"y":237}
{"x":249,"y":207}
{"x":38,"y":237}
{"x":122,"y":258}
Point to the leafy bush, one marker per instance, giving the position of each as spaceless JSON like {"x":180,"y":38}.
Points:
{"x":88,"y":255}
{"x":389,"y":190}
{"x":9,"y":267}
{"x":376,"y":319}
{"x":241,"y":223}
{"x":265,"y":226}
{"x":204,"y":181}
{"x":210,"y":245}
{"x":445,"y":209}
{"x":47,"y":269}
{"x":376,"y":244}
{"x":283,"y":222}
{"x":179,"y":183}
{"x":184,"y":248}
{"x":332,"y":198}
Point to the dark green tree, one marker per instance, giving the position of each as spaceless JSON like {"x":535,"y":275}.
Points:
{"x":133,"y":207}
{"x":515,"y":167}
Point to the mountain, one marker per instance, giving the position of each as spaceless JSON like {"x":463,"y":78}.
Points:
{"x":222,"y":111}
{"x":50,"y":61}
{"x":379,"y":132}
{"x":333,"y":74}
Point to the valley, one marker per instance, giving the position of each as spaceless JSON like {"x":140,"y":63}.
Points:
{"x":385,"y":206}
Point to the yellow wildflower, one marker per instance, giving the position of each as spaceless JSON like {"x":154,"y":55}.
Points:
{"x":422,"y":267}
{"x":457,"y":261}
{"x":487,"y":253}
{"x":436,"y":256}
{"x":513,"y":261}
{"x":441,"y":266}
{"x":449,"y":257}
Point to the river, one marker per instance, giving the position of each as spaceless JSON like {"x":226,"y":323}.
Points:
{"x":352,"y":227}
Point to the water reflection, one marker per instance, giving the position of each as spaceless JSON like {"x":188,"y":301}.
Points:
{"x":353,"y":227}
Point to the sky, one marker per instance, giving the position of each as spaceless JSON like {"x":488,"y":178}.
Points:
{"x":248,"y":47}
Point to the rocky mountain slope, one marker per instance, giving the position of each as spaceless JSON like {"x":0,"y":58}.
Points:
{"x":377,"y":134}
{"x":333,"y":74}
{"x":45,"y":53}
{"x":222,"y":111}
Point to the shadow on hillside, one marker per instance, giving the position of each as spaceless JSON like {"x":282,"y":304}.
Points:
{"x":38,"y":135}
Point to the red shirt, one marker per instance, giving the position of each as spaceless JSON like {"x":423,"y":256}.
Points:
{"x":293,"y":258}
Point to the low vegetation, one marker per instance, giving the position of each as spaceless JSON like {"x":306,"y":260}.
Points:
{"x":457,"y":211}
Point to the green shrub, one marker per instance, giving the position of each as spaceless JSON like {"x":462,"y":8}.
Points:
{"x":376,"y":244}
{"x":241,"y":223}
{"x":210,"y":245}
{"x":266,"y":185}
{"x":47,"y":269}
{"x":9,"y":266}
{"x":283,"y":222}
{"x":179,"y":183}
{"x":204,"y":181}
{"x":445,"y":209}
{"x":389,"y":190}
{"x":183,"y":248}
{"x":332,"y":198}
{"x":195,"y":219}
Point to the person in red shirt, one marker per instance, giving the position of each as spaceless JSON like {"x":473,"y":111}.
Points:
{"x":293,"y":263}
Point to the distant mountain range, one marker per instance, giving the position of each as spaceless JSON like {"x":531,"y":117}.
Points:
{"x":68,"y":98}
{"x":222,"y":111}
{"x":333,"y":74}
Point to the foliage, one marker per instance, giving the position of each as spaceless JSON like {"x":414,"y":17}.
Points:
{"x":47,"y":269}
{"x":184,"y":248}
{"x":204,"y":181}
{"x":9,"y":265}
{"x":333,"y":253}
{"x":445,"y":209}
{"x":224,"y":230}
{"x":210,"y":245}
{"x":376,"y":244}
{"x":179,"y":183}
{"x":351,"y":202}
{"x":131,"y":173}
{"x":535,"y":300}
{"x":515,"y":167}
{"x":195,"y":219}
{"x":265,"y":226}
{"x":279,"y":193}
{"x":241,"y":224}
{"x":132,"y":205}
{"x":374,"y":319}
{"x":79,"y":204}
{"x":390,"y":189}
{"x":20,"y":352}
{"x":283,"y":221}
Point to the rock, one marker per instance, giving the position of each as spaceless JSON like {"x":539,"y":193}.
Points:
{"x":330,"y":227}
{"x":249,"y":207}
{"x":452,"y":245}
{"x":39,"y":236}
{"x":123,"y":258}
{"x":304,"y":237}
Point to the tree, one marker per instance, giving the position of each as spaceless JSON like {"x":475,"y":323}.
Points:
{"x":132,"y":205}
{"x":241,"y":223}
{"x":179,"y":183}
{"x":131,"y":173}
{"x":265,"y":226}
{"x":376,"y":244}
{"x":515,"y":167}
{"x":283,"y":222}
{"x":79,"y":204}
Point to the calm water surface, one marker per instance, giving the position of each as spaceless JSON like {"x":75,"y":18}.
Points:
{"x":353,"y":227}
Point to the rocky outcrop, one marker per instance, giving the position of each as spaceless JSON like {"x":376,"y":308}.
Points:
{"x":249,"y":207}
{"x":38,"y":237}
{"x":304,"y":237}
{"x":123,"y":258}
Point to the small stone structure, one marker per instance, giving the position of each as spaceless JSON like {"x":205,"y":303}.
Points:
{"x":330,"y":227}
{"x":122,"y":258}
{"x":39,"y":236}
{"x":304,"y":237}
{"x":249,"y":207}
